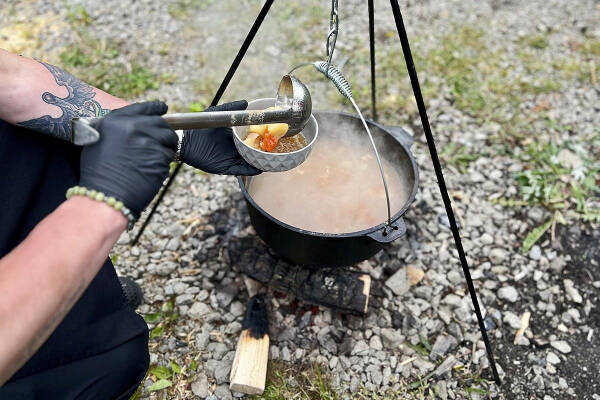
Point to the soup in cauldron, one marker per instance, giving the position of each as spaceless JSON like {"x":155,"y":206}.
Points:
{"x":338,"y":189}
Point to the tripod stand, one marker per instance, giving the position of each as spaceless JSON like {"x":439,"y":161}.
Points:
{"x":426,"y":128}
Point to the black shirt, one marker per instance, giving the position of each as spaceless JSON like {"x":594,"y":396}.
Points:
{"x":35,"y":172}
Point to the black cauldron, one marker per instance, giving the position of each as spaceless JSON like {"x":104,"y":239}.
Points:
{"x":333,"y":250}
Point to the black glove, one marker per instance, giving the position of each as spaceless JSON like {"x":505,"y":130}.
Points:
{"x":131,"y":159}
{"x":212,"y":149}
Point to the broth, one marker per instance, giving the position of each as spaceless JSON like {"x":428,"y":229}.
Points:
{"x":338,"y":189}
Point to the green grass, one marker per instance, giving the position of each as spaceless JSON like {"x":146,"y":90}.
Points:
{"x":457,"y":156}
{"x":96,"y":62}
{"x":286,"y":381}
{"x":539,"y":41}
{"x":291,"y":381}
{"x":77,"y":14}
{"x":164,"y":319}
{"x":566,"y":190}
{"x":182,"y":9}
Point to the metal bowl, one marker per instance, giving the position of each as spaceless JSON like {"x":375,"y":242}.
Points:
{"x":274,"y":162}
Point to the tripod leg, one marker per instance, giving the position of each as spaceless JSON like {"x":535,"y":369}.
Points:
{"x":412,"y":72}
{"x":236,"y":62}
{"x":372,"y":51}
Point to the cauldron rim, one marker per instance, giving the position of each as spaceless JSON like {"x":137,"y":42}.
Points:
{"x":363,"y":232}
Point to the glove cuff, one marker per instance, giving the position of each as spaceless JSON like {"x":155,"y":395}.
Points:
{"x":108,"y":200}
{"x":178,"y":156}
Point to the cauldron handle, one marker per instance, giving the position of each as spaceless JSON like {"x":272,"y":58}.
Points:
{"x":401,"y":135}
{"x":393,"y":232}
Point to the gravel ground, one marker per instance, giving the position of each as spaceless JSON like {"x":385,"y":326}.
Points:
{"x":411,"y":330}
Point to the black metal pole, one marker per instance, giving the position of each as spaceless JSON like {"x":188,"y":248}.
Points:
{"x":412,"y":72}
{"x":372,"y":51}
{"x":230,"y":73}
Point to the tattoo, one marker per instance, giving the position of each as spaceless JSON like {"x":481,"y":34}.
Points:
{"x":78,"y":103}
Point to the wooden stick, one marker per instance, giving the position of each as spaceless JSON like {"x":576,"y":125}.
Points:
{"x":366,"y":289}
{"x":249,"y":369}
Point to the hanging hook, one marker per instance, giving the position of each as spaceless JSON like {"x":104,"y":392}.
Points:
{"x":332,"y":35}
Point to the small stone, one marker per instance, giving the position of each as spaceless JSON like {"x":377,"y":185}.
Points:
{"x":512,"y":320}
{"x":172,"y":244}
{"x":198,"y":310}
{"x":202,"y":339}
{"x":572,"y":292}
{"x":377,"y":377}
{"x":535,"y":253}
{"x":166,"y":268}
{"x":452,"y":300}
{"x":562,"y":383}
{"x":552,"y":358}
{"x":497,"y":256}
{"x":375,"y":343}
{"x":522,"y":341}
{"x":222,"y":371}
{"x":285,"y":354}
{"x":538,"y":382}
{"x":561,"y":346}
{"x":442,"y":345}
{"x":217,"y":350}
{"x":558,"y":264}
{"x":237,"y":309}
{"x":508,"y":293}
{"x":223,"y":393}
{"x":445,"y":366}
{"x":455,"y":277}
{"x":287,"y":334}
{"x":360,"y":348}
{"x":200,"y":385}
{"x":392,"y":338}
{"x":226,"y":294}
{"x":179,"y":288}
{"x":489,"y":324}
{"x":414,"y":274}
{"x":233,"y":328}
{"x":399,"y":282}
{"x":184,"y":299}
{"x":486,"y":239}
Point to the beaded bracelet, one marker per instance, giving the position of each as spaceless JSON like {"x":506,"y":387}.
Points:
{"x":109,"y":200}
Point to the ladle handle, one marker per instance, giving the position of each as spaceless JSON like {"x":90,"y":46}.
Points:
{"x":215,"y":119}
{"x":84,"y":133}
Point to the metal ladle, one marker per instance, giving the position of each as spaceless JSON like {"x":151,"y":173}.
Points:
{"x":293,"y":102}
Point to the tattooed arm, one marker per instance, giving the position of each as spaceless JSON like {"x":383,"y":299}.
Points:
{"x":44,"y":98}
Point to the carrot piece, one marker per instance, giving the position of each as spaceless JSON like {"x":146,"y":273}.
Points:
{"x":268,"y":142}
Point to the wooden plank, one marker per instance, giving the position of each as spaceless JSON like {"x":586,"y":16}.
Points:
{"x":341,"y":289}
{"x":249,"y":369}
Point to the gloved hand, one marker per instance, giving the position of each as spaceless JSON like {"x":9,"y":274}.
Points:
{"x":131,"y":159}
{"x":212,"y":149}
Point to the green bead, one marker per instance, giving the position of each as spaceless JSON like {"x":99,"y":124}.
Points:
{"x":69,"y":192}
{"x":118,"y":206}
{"x":81,"y":191}
{"x":111,"y":201}
{"x":99,"y":196}
{"x":91,"y":194}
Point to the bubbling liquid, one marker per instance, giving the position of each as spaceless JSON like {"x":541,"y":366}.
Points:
{"x":338,"y":189}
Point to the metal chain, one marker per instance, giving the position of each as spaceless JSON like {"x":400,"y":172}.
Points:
{"x":333,"y":33}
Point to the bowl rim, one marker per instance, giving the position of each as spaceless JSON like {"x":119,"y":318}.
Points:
{"x":394,"y":217}
{"x":308,"y":145}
